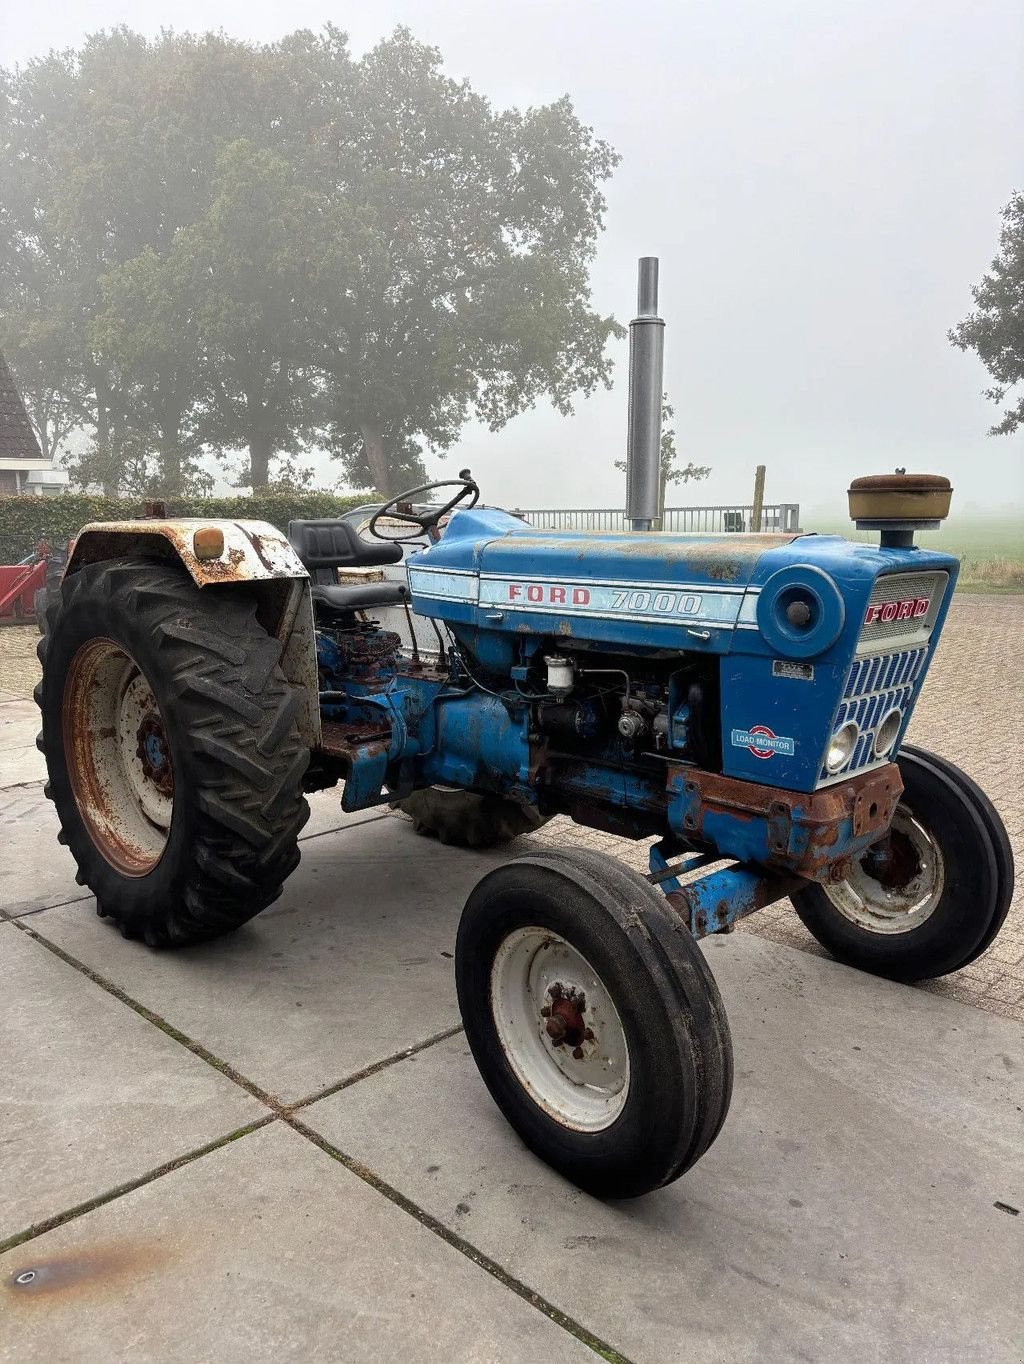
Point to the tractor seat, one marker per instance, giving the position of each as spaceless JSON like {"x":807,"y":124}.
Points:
{"x":360,"y":596}
{"x":325,"y":546}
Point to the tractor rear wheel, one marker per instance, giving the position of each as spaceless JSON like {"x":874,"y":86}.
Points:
{"x":930,"y":897}
{"x":466,"y":819}
{"x":172,"y":749}
{"x":594,"y":1020}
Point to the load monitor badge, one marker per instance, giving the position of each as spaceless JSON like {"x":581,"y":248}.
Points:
{"x":763,"y":742}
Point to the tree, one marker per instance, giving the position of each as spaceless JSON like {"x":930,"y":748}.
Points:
{"x":995,"y":331}
{"x":670,"y":472}
{"x":145,"y":334}
{"x":469,"y":234}
{"x":253,"y":263}
{"x":233,"y":247}
{"x":105,"y":153}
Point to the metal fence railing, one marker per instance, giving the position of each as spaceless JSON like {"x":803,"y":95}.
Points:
{"x":775,"y":516}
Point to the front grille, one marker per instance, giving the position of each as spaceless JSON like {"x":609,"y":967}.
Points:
{"x":902,"y":587}
{"x":874,"y":686}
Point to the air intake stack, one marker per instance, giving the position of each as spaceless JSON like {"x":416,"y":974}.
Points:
{"x":899,"y":504}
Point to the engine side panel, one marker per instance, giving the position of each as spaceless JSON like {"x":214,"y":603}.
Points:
{"x":508,"y":590}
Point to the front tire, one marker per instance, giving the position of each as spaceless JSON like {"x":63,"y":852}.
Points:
{"x":594,"y":1020}
{"x":933,"y":899}
{"x":172,"y":749}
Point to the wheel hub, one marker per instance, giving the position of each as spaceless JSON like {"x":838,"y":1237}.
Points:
{"x":897,"y":883}
{"x":154,"y":754}
{"x":565,"y":1025}
{"x":118,"y":756}
{"x":559,"y":1029}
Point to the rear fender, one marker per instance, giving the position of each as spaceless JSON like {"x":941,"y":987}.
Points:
{"x":255,"y":555}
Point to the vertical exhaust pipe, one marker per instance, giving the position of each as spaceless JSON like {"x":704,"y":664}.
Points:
{"x":646,"y":364}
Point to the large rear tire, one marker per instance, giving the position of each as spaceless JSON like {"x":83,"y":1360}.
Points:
{"x":466,"y":819}
{"x":932,"y":897}
{"x":172,"y":749}
{"x":594,"y":1020}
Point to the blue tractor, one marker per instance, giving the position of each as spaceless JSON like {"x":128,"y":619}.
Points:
{"x":736,"y":698}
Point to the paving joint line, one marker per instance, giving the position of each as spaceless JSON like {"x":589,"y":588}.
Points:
{"x":129,"y":1186}
{"x":472,"y":1253}
{"x":41,"y":909}
{"x":373,"y":1069}
{"x":196,"y":1048}
{"x":279,"y":1107}
{"x":284,"y":1113}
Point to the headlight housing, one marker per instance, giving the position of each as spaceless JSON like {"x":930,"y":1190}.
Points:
{"x":888,"y":732}
{"x":841,"y":746}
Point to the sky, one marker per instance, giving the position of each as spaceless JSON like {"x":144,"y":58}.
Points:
{"x":821,"y":182}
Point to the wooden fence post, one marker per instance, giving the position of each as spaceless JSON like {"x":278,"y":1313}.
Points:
{"x":755,"y":516}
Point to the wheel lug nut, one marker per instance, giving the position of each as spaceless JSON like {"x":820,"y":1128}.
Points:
{"x":545,"y":1012}
{"x":577,"y":1053}
{"x":589,"y":1035}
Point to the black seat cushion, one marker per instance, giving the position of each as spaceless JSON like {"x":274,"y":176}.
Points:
{"x":360,"y":596}
{"x":334,"y":544}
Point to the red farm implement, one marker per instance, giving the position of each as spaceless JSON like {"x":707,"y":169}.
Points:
{"x":18,"y":585}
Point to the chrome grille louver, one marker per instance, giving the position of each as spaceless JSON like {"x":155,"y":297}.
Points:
{"x":874,"y":686}
{"x":878,"y":682}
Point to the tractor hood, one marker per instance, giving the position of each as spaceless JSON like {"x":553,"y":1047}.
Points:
{"x":492,"y":571}
{"x":658,"y":590}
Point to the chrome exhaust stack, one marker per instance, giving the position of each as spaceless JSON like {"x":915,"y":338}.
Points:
{"x":646,"y":365}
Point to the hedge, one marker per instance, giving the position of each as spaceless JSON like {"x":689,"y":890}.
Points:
{"x":24,"y":521}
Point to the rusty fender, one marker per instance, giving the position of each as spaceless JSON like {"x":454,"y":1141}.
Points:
{"x":254,"y":554}
{"x":254,"y":551}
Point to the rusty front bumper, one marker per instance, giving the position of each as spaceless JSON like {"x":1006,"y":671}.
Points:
{"x":811,"y":834}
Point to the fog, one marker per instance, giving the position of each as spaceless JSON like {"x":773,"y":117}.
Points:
{"x":822,"y":184}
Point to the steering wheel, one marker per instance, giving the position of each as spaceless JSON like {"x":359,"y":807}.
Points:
{"x":400,"y":509}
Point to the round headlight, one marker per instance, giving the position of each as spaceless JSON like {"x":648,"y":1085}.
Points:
{"x":841,"y":746}
{"x":887,"y":732}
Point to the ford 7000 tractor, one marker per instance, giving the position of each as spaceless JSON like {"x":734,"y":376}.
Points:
{"x":739,"y":698}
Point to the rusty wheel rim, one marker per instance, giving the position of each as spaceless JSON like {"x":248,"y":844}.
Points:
{"x":118,"y":756}
{"x":899,"y":893}
{"x":559,"y":1029}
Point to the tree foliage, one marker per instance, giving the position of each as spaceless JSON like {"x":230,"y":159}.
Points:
{"x":995,"y":330}
{"x":215,"y":247}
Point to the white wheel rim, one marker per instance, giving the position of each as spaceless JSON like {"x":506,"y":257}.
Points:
{"x":559,"y":1029}
{"x":871,"y":903}
{"x":118,"y":757}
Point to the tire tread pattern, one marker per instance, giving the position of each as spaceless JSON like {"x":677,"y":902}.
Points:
{"x":235,"y":718}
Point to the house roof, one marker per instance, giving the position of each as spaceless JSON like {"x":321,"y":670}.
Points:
{"x":17,"y":438}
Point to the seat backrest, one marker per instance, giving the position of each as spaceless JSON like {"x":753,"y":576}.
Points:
{"x":331,"y":544}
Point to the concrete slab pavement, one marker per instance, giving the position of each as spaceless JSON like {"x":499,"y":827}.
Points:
{"x":20,"y":760}
{"x":847,"y":1211}
{"x":37,"y":872}
{"x":91,"y":1094}
{"x":351,"y":965}
{"x":265,"y":1248}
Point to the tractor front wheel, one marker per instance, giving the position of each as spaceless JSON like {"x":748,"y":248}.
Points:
{"x":594,"y":1020}
{"x":932,"y":895}
{"x":172,"y":749}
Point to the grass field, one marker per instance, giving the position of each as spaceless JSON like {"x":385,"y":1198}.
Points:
{"x":990,"y":548}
